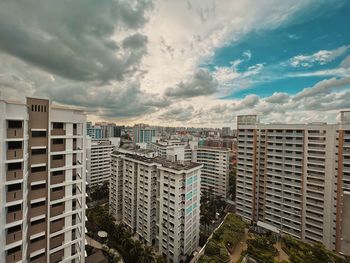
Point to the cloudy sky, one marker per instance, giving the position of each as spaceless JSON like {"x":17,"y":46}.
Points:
{"x":189,"y":63}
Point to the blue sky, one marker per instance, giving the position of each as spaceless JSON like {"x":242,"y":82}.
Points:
{"x":319,"y":28}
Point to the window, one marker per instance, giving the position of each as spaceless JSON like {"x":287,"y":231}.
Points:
{"x":14,"y":124}
{"x":57,"y":157}
{"x":38,"y":151}
{"x":57,"y":141}
{"x":37,"y":187}
{"x":38,"y":169}
{"x":38,"y":134}
{"x":57,"y":125}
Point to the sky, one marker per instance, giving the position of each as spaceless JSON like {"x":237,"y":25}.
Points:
{"x":195,"y":63}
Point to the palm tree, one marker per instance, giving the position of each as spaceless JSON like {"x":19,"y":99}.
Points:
{"x":146,"y":255}
{"x":136,"y":249}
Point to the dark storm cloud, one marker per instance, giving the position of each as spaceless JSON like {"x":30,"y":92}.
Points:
{"x":201,"y":83}
{"x":73,"y":38}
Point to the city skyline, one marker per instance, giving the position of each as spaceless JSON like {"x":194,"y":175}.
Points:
{"x":188,"y":63}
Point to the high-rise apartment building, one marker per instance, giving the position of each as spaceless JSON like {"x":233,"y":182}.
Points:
{"x":158,"y":200}
{"x":98,"y":155}
{"x":42,"y":196}
{"x":95,"y":132}
{"x":295,"y":178}
{"x":216,"y":168}
{"x":143,"y":133}
{"x":226,"y":131}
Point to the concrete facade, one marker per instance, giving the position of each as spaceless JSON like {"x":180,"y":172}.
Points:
{"x":295,"y":177}
{"x":42,"y":167}
{"x":158,"y":200}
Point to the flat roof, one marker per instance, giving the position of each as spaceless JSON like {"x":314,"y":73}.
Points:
{"x":162,"y":161}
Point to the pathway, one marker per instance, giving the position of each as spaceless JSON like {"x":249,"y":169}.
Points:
{"x":242,"y":245}
{"x":281,"y":254}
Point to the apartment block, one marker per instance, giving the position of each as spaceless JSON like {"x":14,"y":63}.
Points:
{"x":42,"y":175}
{"x":143,"y":134}
{"x":173,"y":150}
{"x":294,"y":178}
{"x":98,"y":165}
{"x":158,"y":200}
{"x":216,"y":168}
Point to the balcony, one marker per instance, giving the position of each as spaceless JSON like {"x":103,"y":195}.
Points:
{"x":12,"y":196}
{"x":13,"y":154}
{"x":13,"y":237}
{"x":14,"y":256}
{"x":58,"y":132}
{"x":38,"y":158}
{"x":14,"y":133}
{"x":38,"y":193}
{"x":41,"y":259}
{"x":38,"y":176}
{"x":56,"y":210}
{"x":38,"y":141}
{"x":56,"y":195}
{"x":14,"y":175}
{"x":58,"y":147}
{"x":57,"y":256}
{"x":37,"y":228}
{"x":35,"y":246}
{"x":14,"y":216}
{"x":58,"y":163}
{"x":56,"y":241}
{"x":56,"y":226}
{"x":37,"y":211}
{"x":57,"y":179}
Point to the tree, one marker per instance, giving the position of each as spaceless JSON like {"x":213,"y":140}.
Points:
{"x":146,"y":255}
{"x":232,"y":184}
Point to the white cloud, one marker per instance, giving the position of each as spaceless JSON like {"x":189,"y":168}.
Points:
{"x":323,"y":87}
{"x":321,"y":57}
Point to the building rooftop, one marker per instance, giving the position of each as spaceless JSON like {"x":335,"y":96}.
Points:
{"x":178,"y":166}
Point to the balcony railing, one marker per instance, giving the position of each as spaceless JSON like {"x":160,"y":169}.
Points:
{"x":55,"y":132}
{"x":14,"y":257}
{"x":13,"y":237}
{"x":14,"y":175}
{"x":57,"y":256}
{"x":56,"y":226}
{"x":13,"y":154}
{"x":38,"y":141}
{"x":14,"y":196}
{"x":37,"y":228}
{"x":13,"y":133}
{"x":55,"y":195}
{"x":14,"y":216}
{"x":36,"y":194}
{"x":58,"y":163}
{"x":55,"y":211}
{"x":35,"y":246}
{"x":37,"y":211}
{"x":57,"y":179}
{"x":56,"y":241}
{"x":40,"y":158}
{"x":38,"y":176}
{"x":58,"y":147}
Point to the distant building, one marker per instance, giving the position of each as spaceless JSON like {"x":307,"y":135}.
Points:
{"x":226,"y":131}
{"x":143,"y":133}
{"x":98,"y":165}
{"x":43,"y":173}
{"x":296,"y":178}
{"x":215,"y":171}
{"x":158,"y":200}
{"x":95,"y":132}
